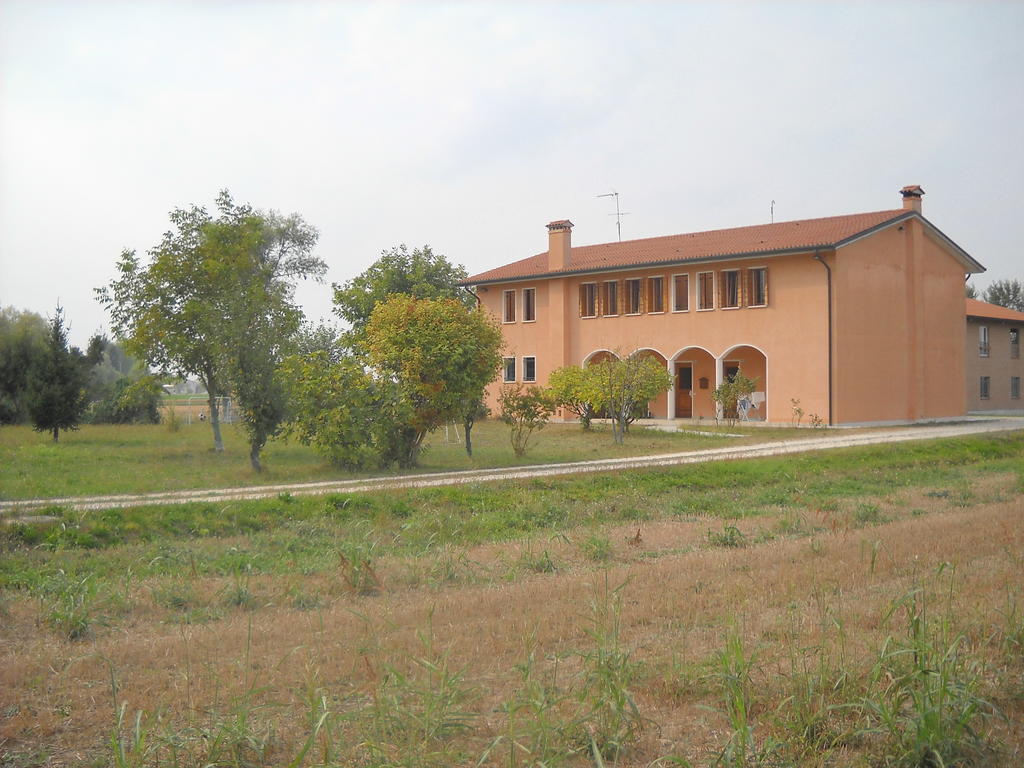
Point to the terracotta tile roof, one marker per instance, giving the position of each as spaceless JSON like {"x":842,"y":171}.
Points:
{"x":720,"y":243}
{"x":977,"y":308}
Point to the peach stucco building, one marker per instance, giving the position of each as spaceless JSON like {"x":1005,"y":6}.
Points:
{"x":859,"y":318}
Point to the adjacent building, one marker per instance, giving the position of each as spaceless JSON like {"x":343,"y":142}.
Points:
{"x":854,"y":319}
{"x":993,"y":364}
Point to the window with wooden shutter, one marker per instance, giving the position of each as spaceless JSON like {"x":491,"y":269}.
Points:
{"x":610,"y":295}
{"x":656,"y":294}
{"x":634,"y":296}
{"x":588,"y":300}
{"x":680,"y":293}
{"x":509,"y":302}
{"x":757,"y":287}
{"x":730,"y":288}
{"x":705,"y":290}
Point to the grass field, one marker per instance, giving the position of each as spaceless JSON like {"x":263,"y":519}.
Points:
{"x":137,"y":458}
{"x":856,"y":608}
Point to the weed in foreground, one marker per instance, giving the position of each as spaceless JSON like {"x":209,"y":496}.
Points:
{"x":730,"y":536}
{"x":414,"y":714}
{"x":609,"y":715}
{"x":597,"y":548}
{"x":732,"y":675}
{"x":926,"y":703}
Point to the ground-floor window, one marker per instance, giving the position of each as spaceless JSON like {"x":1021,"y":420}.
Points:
{"x":1015,"y":387}
{"x":984,"y":387}
{"x":509,"y":370}
{"x":529,"y":369}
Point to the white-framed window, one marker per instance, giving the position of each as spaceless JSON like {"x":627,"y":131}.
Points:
{"x":983,"y":341}
{"x":655,"y":294}
{"x":1015,"y":387}
{"x":529,"y":305}
{"x":1015,"y":343}
{"x":705,"y":291}
{"x":508,"y":303}
{"x":757,"y":287}
{"x":984,"y":386}
{"x":610,"y":306}
{"x":730,"y":284}
{"x":634,"y":295}
{"x":680,"y":293}
{"x":508,"y":369}
{"x":529,"y":368}
{"x":588,"y":299}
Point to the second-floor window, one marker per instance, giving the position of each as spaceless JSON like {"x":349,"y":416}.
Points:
{"x":529,"y":369}
{"x":509,"y":304}
{"x":705,"y":290}
{"x":588,"y":300}
{"x":1015,"y":343}
{"x":757,"y":287}
{"x":730,"y":289}
{"x":611,"y":298}
{"x":529,"y":305}
{"x":634,"y":292}
{"x":983,"y":340}
{"x":680,"y":293}
{"x":656,"y":294}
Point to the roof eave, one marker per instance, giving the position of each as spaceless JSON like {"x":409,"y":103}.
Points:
{"x":648,"y":264}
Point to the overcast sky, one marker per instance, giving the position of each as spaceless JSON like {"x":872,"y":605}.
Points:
{"x":469,"y":126}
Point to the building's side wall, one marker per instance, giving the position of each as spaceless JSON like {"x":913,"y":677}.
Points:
{"x":791,"y":331}
{"x":999,"y":365}
{"x":899,"y":313}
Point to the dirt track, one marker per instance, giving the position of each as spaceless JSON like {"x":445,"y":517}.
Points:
{"x":817,"y":443}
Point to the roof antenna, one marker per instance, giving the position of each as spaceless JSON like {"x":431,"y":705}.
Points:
{"x":618,"y":214}
{"x":773,"y":211}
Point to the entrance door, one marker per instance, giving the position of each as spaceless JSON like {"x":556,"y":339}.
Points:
{"x":684,"y":390}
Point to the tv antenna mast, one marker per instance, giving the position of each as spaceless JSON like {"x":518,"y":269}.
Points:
{"x":618,"y":214}
{"x":773,"y":211}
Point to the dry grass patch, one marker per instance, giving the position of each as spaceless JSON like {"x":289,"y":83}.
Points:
{"x":434,"y":670}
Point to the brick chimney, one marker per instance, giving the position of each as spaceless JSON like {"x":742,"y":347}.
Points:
{"x":912,"y":198}
{"x":559,"y":245}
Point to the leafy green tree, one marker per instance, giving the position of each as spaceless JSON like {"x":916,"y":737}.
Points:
{"x":215,"y":301}
{"x":340,"y":409}
{"x":620,"y":387}
{"x":23,"y":337}
{"x":571,"y":390}
{"x":56,"y":382}
{"x":439,"y":353}
{"x":970,"y":291}
{"x":130,"y":401}
{"x":525,"y":410}
{"x":422,"y":274}
{"x":730,"y":392}
{"x":1006,"y":293}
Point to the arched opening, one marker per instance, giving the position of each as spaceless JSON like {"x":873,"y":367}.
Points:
{"x":694,"y":372}
{"x":599,"y":355}
{"x":754,"y":365}
{"x":658,"y":407}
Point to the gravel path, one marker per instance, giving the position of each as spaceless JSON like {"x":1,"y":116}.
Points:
{"x":775,"y":448}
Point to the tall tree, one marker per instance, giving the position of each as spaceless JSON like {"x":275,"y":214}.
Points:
{"x":621,"y":386}
{"x":970,"y":291}
{"x":1006,"y":293}
{"x":421,"y":274}
{"x":440,"y":354}
{"x":215,"y":301}
{"x":23,"y":337}
{"x":56,"y":381}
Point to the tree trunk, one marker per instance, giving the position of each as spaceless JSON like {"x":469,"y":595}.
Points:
{"x":254,"y":458}
{"x":56,"y":433}
{"x":467,"y":427}
{"x":218,"y":443}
